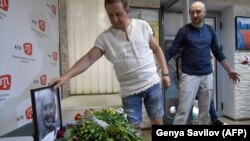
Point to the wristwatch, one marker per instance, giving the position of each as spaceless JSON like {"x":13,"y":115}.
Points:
{"x":164,"y":74}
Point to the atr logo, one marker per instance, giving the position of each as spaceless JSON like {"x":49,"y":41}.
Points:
{"x":55,"y":56}
{"x":53,"y":9}
{"x":29,"y":113}
{"x":27,"y":47}
{"x":43,"y":80}
{"x":41,"y":25}
{"x":5,"y":82}
{"x":4,"y":4}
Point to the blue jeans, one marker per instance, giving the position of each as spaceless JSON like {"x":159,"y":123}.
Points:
{"x":153,"y":101}
{"x":212,"y":111}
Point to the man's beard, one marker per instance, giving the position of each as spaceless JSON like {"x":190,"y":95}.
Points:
{"x":197,"y":22}
{"x":51,"y":123}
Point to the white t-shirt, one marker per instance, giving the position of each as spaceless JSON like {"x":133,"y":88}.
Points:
{"x":133,"y":60}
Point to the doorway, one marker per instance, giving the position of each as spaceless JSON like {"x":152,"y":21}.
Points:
{"x":214,"y":19}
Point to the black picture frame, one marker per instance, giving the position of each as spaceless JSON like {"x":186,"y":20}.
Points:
{"x":46,"y":108}
{"x":242,"y":33}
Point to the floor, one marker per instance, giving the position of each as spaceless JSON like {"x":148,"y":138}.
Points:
{"x":77,"y":104}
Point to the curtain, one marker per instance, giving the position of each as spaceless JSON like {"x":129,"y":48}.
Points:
{"x":85,"y":20}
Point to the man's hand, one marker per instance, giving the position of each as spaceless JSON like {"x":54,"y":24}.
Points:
{"x":166,"y":81}
{"x":234,"y":76}
{"x":57,"y":82}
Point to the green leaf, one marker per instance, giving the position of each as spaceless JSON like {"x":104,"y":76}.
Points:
{"x":68,"y":133}
{"x":61,"y":139}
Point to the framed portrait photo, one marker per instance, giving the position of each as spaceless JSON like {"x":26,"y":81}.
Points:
{"x":46,"y":108}
{"x":242,"y":29}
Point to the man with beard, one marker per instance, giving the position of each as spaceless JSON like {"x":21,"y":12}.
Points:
{"x":48,"y":114}
{"x":197,"y":40}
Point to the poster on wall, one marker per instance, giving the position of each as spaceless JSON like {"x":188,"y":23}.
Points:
{"x":242,"y":29}
{"x":29,"y":56}
{"x":151,"y":15}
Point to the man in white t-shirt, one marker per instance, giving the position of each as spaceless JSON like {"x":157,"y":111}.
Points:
{"x":130,"y":46}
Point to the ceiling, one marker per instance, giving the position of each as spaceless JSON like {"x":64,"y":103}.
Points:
{"x":178,"y":5}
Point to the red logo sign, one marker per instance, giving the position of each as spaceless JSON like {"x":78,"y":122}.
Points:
{"x":4,"y":4}
{"x":55,"y":56}
{"x":43,"y":80}
{"x":53,"y":9}
{"x":27,"y":47}
{"x":5,"y":82}
{"x":41,"y":24}
{"x":29,"y":113}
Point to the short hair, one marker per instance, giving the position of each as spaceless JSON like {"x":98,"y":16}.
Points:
{"x":200,"y":3}
{"x":124,"y":2}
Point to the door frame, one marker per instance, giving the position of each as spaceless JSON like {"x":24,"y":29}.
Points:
{"x":218,"y":95}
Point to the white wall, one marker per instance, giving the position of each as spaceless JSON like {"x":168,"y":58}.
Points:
{"x":242,"y":90}
{"x":228,"y":43}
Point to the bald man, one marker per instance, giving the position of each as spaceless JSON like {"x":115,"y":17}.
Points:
{"x":48,"y":114}
{"x":197,"y":40}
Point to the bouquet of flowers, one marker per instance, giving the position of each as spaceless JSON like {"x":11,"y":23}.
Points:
{"x":104,"y":125}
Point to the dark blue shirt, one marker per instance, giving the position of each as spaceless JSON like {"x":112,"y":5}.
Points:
{"x":196,"y":44}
